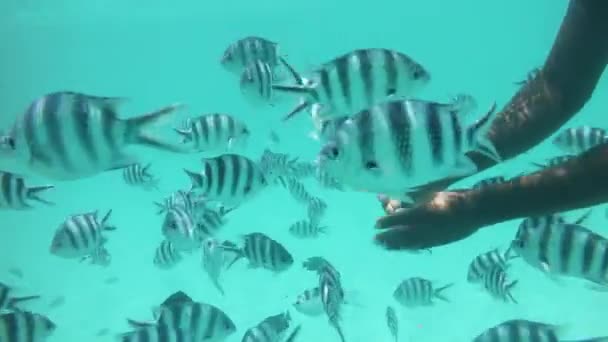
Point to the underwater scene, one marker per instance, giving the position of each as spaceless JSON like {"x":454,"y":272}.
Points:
{"x":313,"y":171}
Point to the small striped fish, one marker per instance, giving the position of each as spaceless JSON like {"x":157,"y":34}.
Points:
{"x":154,"y":333}
{"x":306,"y":229}
{"x":80,"y":235}
{"x":186,"y":200}
{"x":520,"y":330}
{"x":25,"y":326}
{"x":486,"y":261}
{"x":276,"y":165}
{"x":496,"y":284}
{"x":332,"y":297}
{"x":316,"y":210}
{"x":67,"y":135}
{"x":397,"y":145}
{"x":256,"y":83}
{"x":166,"y":255}
{"x":229,"y":179}
{"x":580,"y":139}
{"x":140,"y":176}
{"x":357,"y":80}
{"x":15,"y":194}
{"x":271,"y":329}
{"x":296,"y":189}
{"x":413,"y":292}
{"x":309,"y":302}
{"x":243,"y":52}
{"x":8,"y":301}
{"x":555,"y":161}
{"x":179,"y":228}
{"x":262,"y":251}
{"x":327,"y":181}
{"x":303,"y":170}
{"x":214,"y":133}
{"x":392,"y":322}
{"x":568,"y":249}
{"x":210,"y":221}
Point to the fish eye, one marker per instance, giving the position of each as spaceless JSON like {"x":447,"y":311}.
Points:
{"x":8,"y":142}
{"x":418,"y":73}
{"x":371,"y":165}
{"x":332,"y":152}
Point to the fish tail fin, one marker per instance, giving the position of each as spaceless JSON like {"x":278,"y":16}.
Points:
{"x":438,"y":292}
{"x":296,"y":75}
{"x":136,"y":129}
{"x":294,"y":334}
{"x":510,"y":287}
{"x":297,"y":109}
{"x":13,"y":302}
{"x":162,"y":208}
{"x":185,"y":134}
{"x":477,"y":135}
{"x":32,"y":193}
{"x":105,"y":221}
{"x":198,"y":180}
{"x":583,"y":217}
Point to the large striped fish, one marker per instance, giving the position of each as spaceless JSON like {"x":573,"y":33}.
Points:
{"x":81,"y":235}
{"x":355,"y":81}
{"x":229,"y":179}
{"x":238,"y":55}
{"x":270,"y":329}
{"x":395,"y":146}
{"x":559,"y":248}
{"x":25,"y":326}
{"x":68,"y":135}
{"x":214,"y":133}
{"x":14,"y":194}
{"x":519,"y":330}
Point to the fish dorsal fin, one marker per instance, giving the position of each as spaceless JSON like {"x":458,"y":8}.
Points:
{"x":111,"y":103}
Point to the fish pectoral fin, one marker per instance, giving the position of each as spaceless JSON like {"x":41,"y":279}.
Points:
{"x":139,"y":324}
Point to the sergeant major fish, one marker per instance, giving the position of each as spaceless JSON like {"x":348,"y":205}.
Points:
{"x":495,"y":283}
{"x":417,"y":291}
{"x":179,"y":228}
{"x":271,"y":329}
{"x":15,"y":194}
{"x":229,"y":179}
{"x":263,"y":251}
{"x":357,"y":80}
{"x":156,"y":333}
{"x":238,"y":55}
{"x":140,"y":176}
{"x":332,"y":297}
{"x":580,"y":139}
{"x":166,"y":256}
{"x":392,"y":322}
{"x":81,"y":235}
{"x":396,"y":146}
{"x":67,"y":135}
{"x":485,"y":261}
{"x":257,"y":80}
{"x":214,"y":134}
{"x":523,"y":331}
{"x":306,"y":229}
{"x":25,"y":326}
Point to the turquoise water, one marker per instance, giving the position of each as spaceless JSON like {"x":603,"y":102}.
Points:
{"x":156,"y":53}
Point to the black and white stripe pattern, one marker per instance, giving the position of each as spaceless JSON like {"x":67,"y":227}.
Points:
{"x":327,"y":181}
{"x":15,"y":194}
{"x":296,"y":189}
{"x":563,"y":248}
{"x":247,"y":50}
{"x":186,"y":200}
{"x":68,"y":135}
{"x":139,"y":175}
{"x":332,"y":296}
{"x":417,"y":291}
{"x":80,"y":235}
{"x":166,"y":256}
{"x":580,"y":139}
{"x":203,"y":321}
{"x":271,"y":329}
{"x":179,"y":227}
{"x":256,"y":83}
{"x":359,"y":79}
{"x":555,"y":161}
{"x":309,"y":302}
{"x":24,"y":326}
{"x":306,"y":229}
{"x":392,"y":322}
{"x":496,"y":284}
{"x":316,"y":210}
{"x":263,"y":251}
{"x":209,"y":222}
{"x":229,"y":179}
{"x":214,"y":133}
{"x":397,"y":145}
{"x":275,"y":165}
{"x":482,"y":263}
{"x":519,"y":331}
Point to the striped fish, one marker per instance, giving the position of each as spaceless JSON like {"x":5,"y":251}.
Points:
{"x":332,"y":297}
{"x":25,"y":326}
{"x":15,"y":194}
{"x":271,"y":329}
{"x":555,"y":161}
{"x":157,"y":333}
{"x":186,"y":200}
{"x":306,"y":229}
{"x":294,"y":334}
{"x":140,"y":176}
{"x":520,"y":330}
{"x":316,"y":210}
{"x":214,"y":133}
{"x":229,"y":179}
{"x":244,"y":51}
{"x":67,"y":135}
{"x":8,"y":301}
{"x":559,"y":248}
{"x":482,"y":263}
{"x":392,"y":322}
{"x":80,"y":235}
{"x":265,"y":252}
{"x":275,"y":165}
{"x":303,"y":169}
{"x":210,"y":221}
{"x":398,"y":145}
{"x":357,"y":80}
{"x":496,"y":284}
{"x":413,"y":292}
{"x":166,"y":256}
{"x":309,"y":302}
{"x":179,"y":228}
{"x":296,"y":189}
{"x":256,"y":83}
{"x":101,"y":257}
{"x":327,"y":181}
{"x":580,"y":139}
